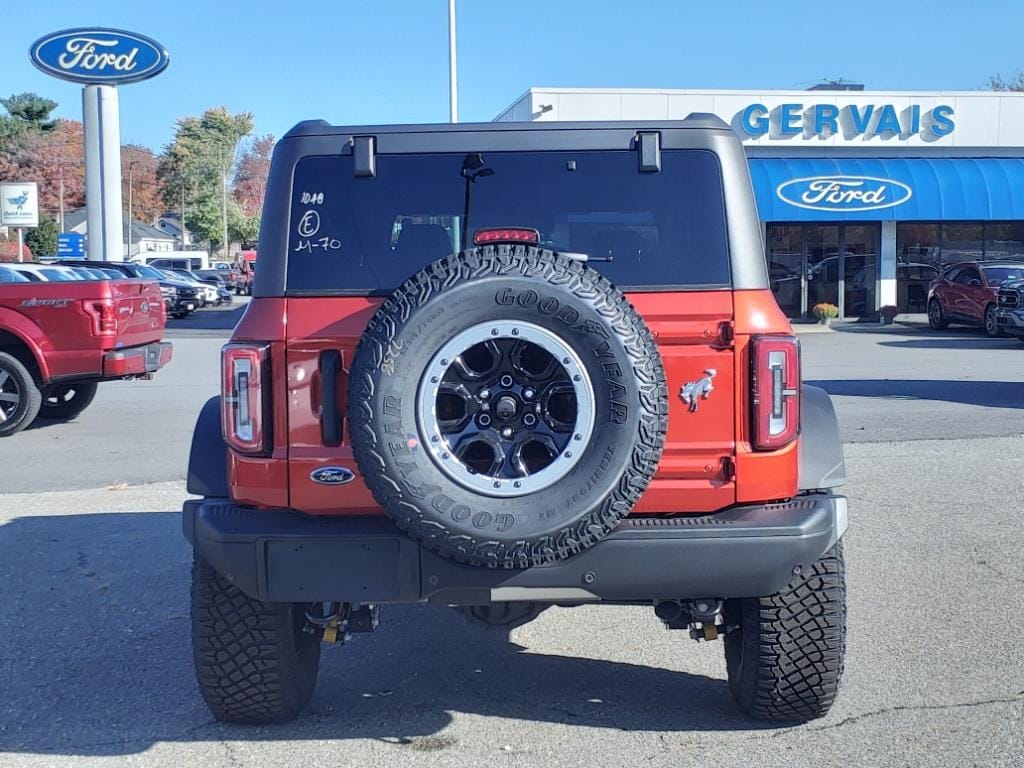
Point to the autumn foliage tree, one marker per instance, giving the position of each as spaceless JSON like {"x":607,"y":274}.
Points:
{"x":251,"y":174}
{"x":138,"y":166}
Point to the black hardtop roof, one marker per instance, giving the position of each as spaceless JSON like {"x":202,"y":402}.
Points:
{"x":695,"y":121}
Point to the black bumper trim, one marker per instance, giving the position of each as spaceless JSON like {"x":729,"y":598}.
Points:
{"x":285,"y":556}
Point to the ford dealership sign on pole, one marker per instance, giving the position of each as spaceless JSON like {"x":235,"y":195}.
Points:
{"x":100,"y":59}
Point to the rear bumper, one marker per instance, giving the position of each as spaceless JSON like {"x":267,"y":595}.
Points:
{"x":137,"y":361}
{"x":284,"y":556}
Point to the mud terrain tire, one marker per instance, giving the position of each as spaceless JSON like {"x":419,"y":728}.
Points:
{"x":614,"y":355}
{"x":254,"y":664}
{"x":785,"y":661}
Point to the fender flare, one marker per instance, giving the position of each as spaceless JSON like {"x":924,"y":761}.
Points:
{"x":29,"y":334}
{"x":821,"y":447}
{"x":208,"y":458}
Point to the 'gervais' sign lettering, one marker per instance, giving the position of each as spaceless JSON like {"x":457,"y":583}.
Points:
{"x":99,"y":56}
{"x":853,"y":120}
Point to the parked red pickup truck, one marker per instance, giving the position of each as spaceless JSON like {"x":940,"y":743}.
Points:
{"x":58,"y":340}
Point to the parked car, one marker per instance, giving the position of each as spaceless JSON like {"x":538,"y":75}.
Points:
{"x":966,"y":294}
{"x":467,"y":409}
{"x":226,"y":277}
{"x":45,"y":273}
{"x":207,"y":294}
{"x":213,"y":291}
{"x":180,"y":298}
{"x":60,"y":337}
{"x":1010,"y":312}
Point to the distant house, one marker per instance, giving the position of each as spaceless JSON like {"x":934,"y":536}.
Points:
{"x":169,"y":222}
{"x":145,"y":239}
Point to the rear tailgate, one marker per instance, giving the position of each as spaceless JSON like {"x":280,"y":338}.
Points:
{"x":139,"y":308}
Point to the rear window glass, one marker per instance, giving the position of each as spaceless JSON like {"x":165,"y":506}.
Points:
{"x":642,"y":230}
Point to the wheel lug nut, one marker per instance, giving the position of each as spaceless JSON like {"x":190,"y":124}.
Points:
{"x":484,"y":420}
{"x":485,"y":407}
{"x":529,"y":419}
{"x":528,"y":393}
{"x":506,"y":432}
{"x":506,"y":380}
{"x":485,"y":393}
{"x":444,"y":362}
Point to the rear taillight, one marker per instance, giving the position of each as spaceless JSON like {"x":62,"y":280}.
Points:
{"x":104,"y":316}
{"x":245,"y":399}
{"x":776,"y":391}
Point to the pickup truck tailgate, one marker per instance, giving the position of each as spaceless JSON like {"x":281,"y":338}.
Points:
{"x":139,"y":308}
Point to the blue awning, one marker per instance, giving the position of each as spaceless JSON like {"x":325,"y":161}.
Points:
{"x":855,"y":189}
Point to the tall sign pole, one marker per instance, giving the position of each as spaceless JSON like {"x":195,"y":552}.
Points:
{"x":103,"y":173}
{"x":100,"y":59}
{"x":453,"y":67}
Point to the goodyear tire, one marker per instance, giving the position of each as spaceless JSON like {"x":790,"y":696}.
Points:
{"x":785,"y":660}
{"x":20,"y":397}
{"x":254,"y":663}
{"x":507,"y":406}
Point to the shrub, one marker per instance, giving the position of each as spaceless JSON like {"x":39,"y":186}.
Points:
{"x":825,"y":311}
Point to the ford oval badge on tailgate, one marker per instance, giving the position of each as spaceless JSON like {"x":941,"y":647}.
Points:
{"x":332,"y":475}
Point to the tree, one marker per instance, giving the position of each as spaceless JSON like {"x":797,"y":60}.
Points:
{"x":196,"y":163}
{"x":251,"y":176}
{"x":1014,"y":82}
{"x":42,"y":239}
{"x":138,"y":165}
{"x":31,"y":111}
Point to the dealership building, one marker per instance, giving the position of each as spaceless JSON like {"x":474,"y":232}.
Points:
{"x":865,"y":196}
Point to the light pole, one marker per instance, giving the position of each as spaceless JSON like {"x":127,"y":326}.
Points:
{"x":131,"y":168}
{"x":453,"y":82}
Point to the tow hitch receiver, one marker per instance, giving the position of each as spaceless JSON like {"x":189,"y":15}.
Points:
{"x":337,"y":622}
{"x":702,"y":617}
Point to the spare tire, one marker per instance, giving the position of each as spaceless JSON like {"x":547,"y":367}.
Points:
{"x":507,"y":406}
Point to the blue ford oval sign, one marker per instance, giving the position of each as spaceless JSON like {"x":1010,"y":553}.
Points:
{"x":846,"y":194}
{"x":99,"y":55}
{"x":332,"y":475}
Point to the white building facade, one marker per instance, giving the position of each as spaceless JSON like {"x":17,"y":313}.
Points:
{"x":865,"y":196}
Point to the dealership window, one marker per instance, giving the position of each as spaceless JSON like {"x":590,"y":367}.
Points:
{"x":924,"y":249}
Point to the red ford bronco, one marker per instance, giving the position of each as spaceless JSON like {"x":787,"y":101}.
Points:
{"x":501,"y":367}
{"x":59,"y":339}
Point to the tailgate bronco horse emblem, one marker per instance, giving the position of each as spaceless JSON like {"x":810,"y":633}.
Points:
{"x":693,"y":391}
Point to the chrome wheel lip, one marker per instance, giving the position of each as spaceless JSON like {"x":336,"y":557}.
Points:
{"x":441,"y":452}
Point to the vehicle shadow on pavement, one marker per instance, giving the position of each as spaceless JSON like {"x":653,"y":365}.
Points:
{"x":210,"y":319}
{"x":991,"y":394}
{"x":96,"y":658}
{"x":965,"y":341}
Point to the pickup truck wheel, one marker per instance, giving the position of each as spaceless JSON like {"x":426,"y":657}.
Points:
{"x":508,"y":406}
{"x":63,"y":402}
{"x":785,"y":660}
{"x":20,"y":398}
{"x":254,"y":663}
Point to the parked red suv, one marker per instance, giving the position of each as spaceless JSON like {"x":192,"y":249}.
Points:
{"x":502,"y":367}
{"x":966,"y":294}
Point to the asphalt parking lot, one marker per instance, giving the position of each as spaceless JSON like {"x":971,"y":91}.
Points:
{"x":95,"y":661}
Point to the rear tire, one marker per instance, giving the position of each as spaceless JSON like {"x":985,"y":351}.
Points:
{"x":20,"y":397}
{"x":63,"y":402}
{"x":254,"y":663}
{"x":936,"y":317}
{"x":785,"y":661}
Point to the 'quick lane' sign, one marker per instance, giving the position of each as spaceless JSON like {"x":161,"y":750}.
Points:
{"x":853,"y":120}
{"x":845,"y":194}
{"x":99,"y":55}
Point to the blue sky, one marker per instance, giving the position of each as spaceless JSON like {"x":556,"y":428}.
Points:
{"x":386,"y":60}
